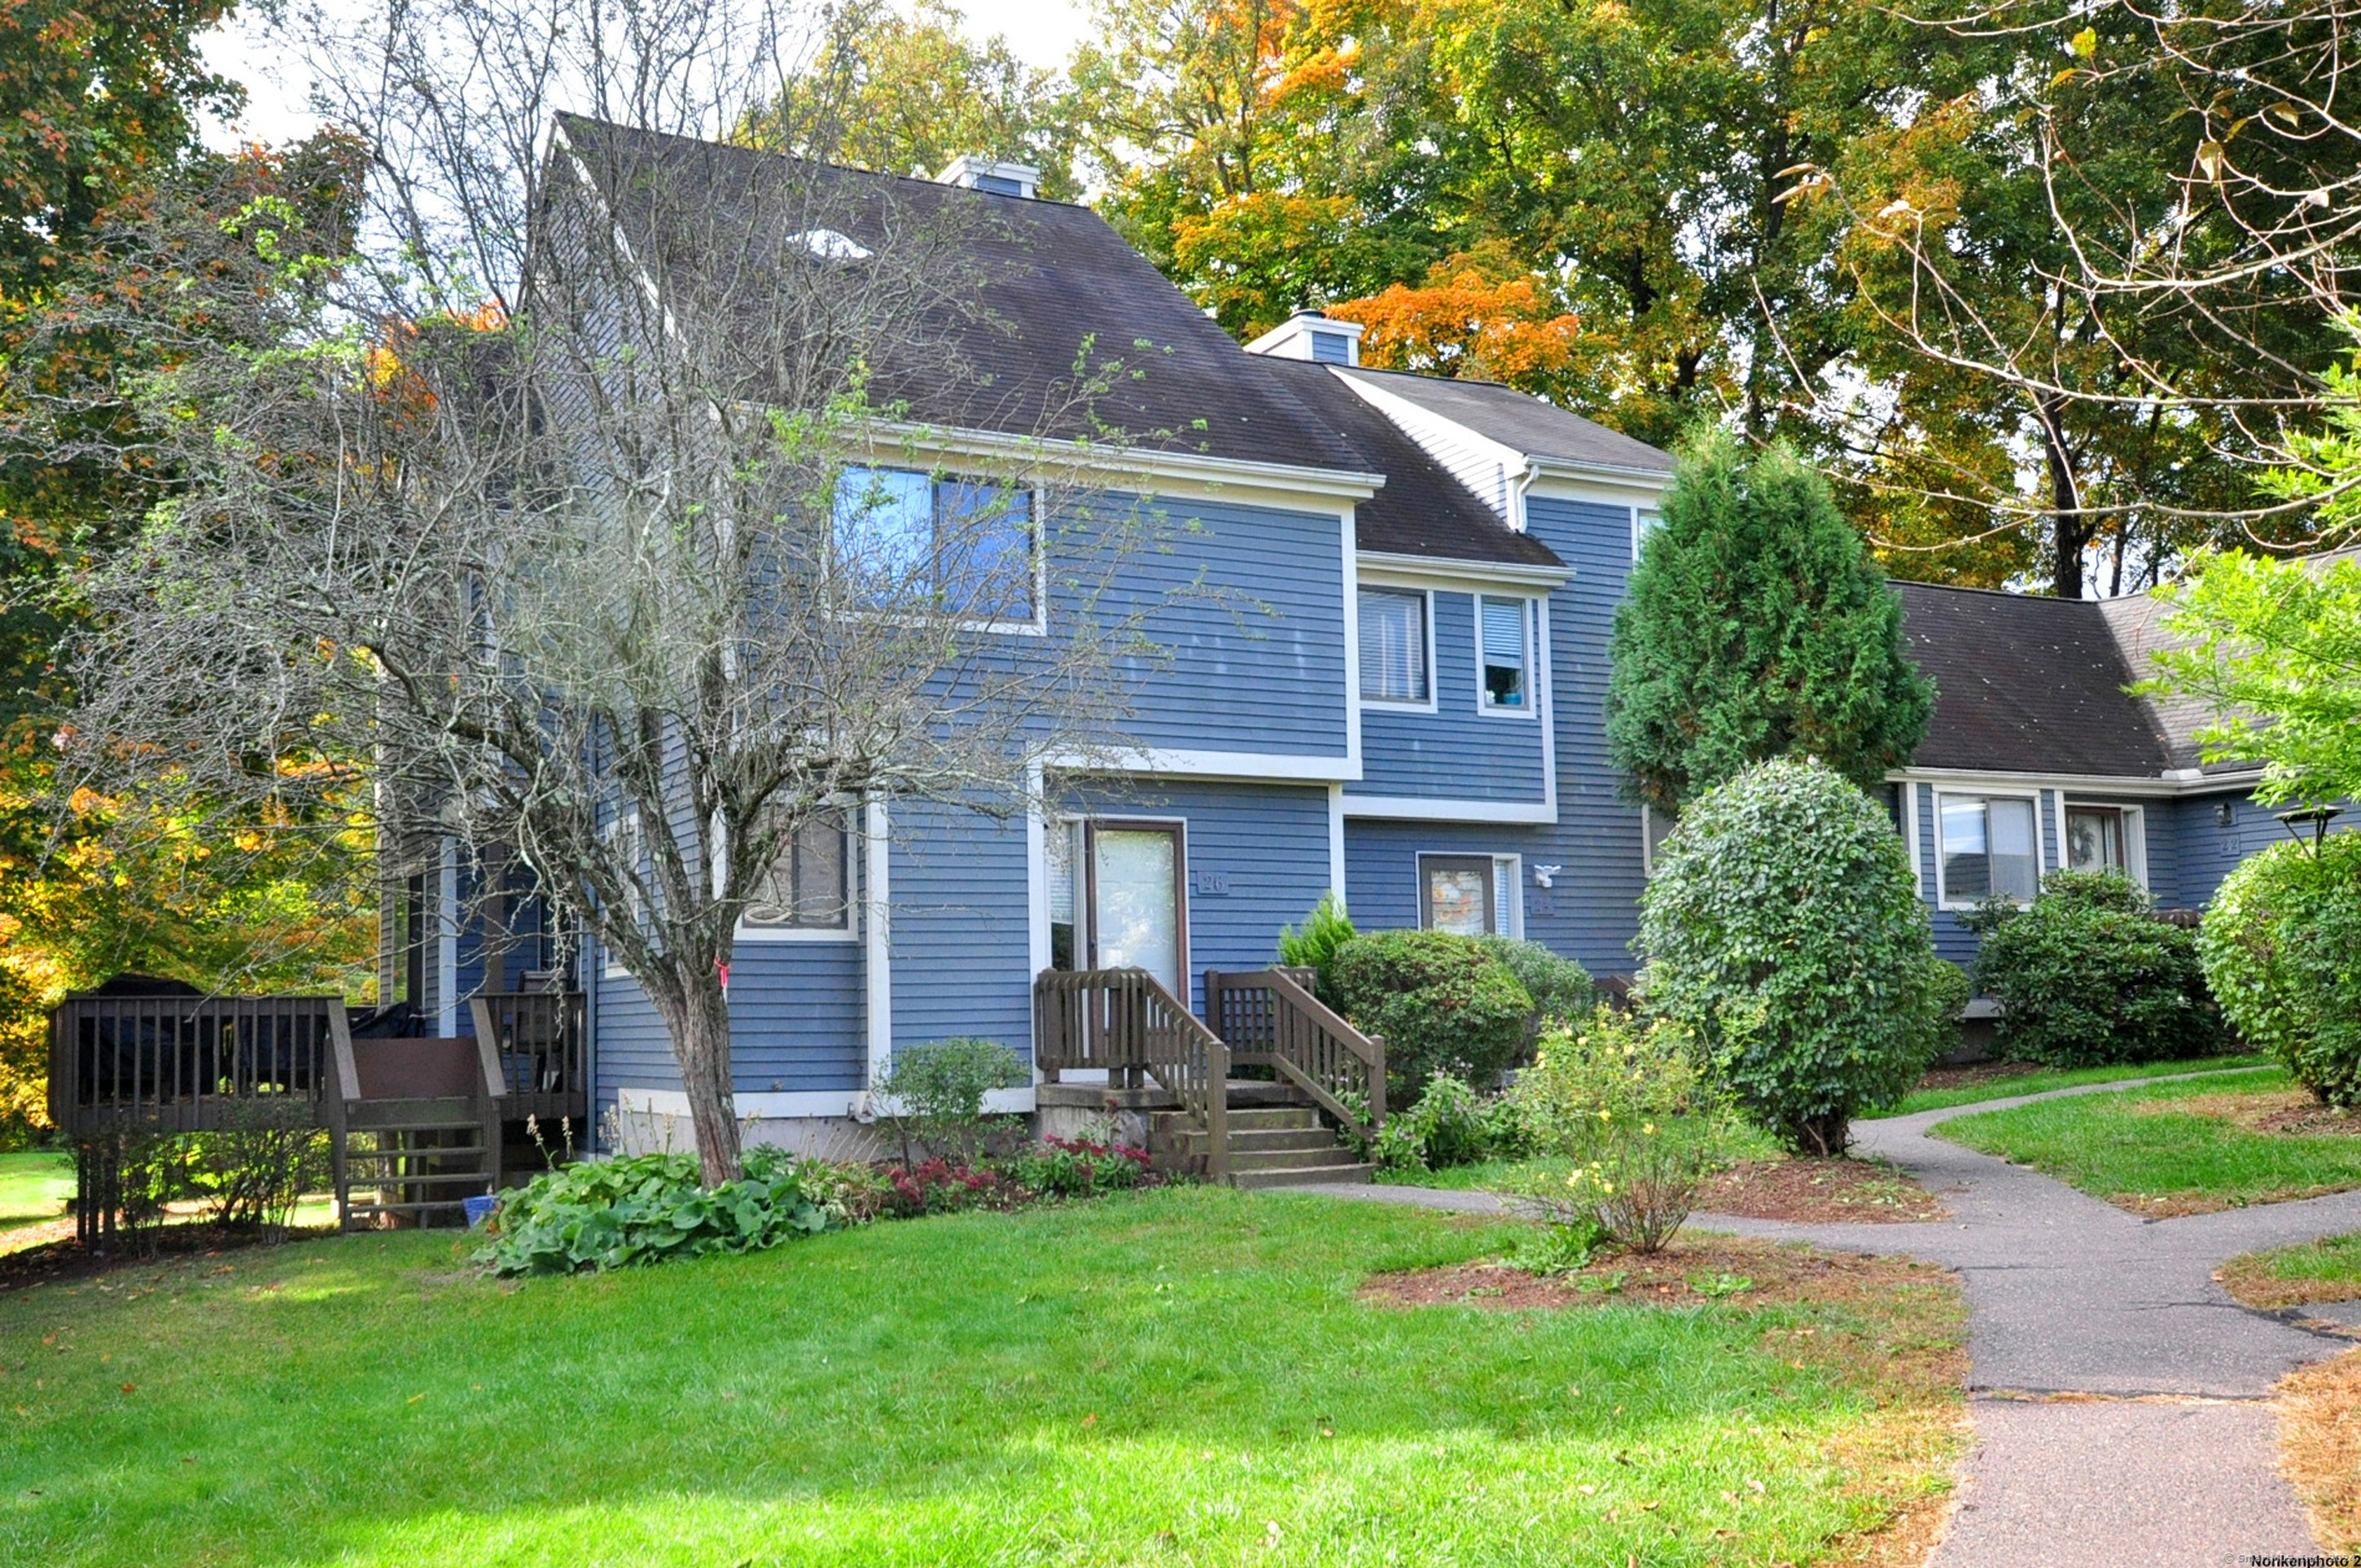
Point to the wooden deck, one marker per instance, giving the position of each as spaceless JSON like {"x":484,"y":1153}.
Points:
{"x":414,"y":1124}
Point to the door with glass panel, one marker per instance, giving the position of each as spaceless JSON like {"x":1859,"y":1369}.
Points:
{"x":2095,"y":839}
{"x":1116,"y":898}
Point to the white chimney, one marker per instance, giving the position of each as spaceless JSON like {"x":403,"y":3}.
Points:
{"x":985,"y":174}
{"x":1308,"y":335}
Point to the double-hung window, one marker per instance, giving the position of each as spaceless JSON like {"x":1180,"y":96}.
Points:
{"x":1504,"y":638}
{"x":808,"y":887}
{"x":1987,"y":845}
{"x":917,"y":543}
{"x":1394,"y":646}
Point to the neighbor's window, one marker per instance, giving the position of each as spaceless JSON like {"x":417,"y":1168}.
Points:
{"x":809,"y":885}
{"x":1988,"y":844}
{"x":1504,"y":631}
{"x":1473,"y":896}
{"x":912,"y":540}
{"x":1394,"y":645}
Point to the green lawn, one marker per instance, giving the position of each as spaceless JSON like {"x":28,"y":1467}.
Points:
{"x":2325,"y":1270}
{"x":34,"y":1187}
{"x":1183,"y":1377}
{"x":2134,"y":1149}
{"x":2059,"y":1078}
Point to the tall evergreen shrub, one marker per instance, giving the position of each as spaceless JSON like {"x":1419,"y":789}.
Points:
{"x":1757,"y":627}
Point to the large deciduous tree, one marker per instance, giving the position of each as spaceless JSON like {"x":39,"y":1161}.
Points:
{"x":1756,"y":627}
{"x":550,"y":506}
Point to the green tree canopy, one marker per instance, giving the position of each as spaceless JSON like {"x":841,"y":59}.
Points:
{"x":1757,"y":627}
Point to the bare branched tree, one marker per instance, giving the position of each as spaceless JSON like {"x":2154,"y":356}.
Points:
{"x":592,"y":508}
{"x":2119,"y":265}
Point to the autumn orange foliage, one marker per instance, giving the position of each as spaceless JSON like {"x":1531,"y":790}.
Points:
{"x":1474,"y":315}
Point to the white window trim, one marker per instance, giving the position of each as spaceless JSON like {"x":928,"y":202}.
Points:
{"x":1393,"y":704}
{"x":2041,"y":866}
{"x":2134,"y":833}
{"x":1530,"y":616}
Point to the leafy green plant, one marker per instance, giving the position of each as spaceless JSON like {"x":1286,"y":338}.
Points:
{"x":1715,"y":1286}
{"x":1784,"y":929}
{"x":649,"y":1208}
{"x":1441,"y":1003}
{"x":933,"y":1096}
{"x":1561,"y":988}
{"x":1326,"y":929}
{"x":2086,"y":976}
{"x":2282,"y":946}
{"x":251,"y":1170}
{"x":1450,"y":1124}
{"x":1570,"y":1241}
{"x":1631,"y":1104}
{"x":1076,"y":1168}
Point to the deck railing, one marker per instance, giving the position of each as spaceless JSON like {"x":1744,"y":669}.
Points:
{"x":537,"y":1056}
{"x":1271,"y":1019}
{"x":173,"y":1062}
{"x":1125,"y":1022}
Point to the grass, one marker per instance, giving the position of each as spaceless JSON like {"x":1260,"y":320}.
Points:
{"x":2155,"y":1152}
{"x":34,"y":1187}
{"x":2320,"y":1446}
{"x":2325,"y":1270}
{"x":1185,"y":1376}
{"x":2059,"y":1078}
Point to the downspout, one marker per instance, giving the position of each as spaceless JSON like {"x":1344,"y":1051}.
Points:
{"x":1516,"y":489}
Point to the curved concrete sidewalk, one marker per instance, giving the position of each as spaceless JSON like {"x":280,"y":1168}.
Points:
{"x":2163,"y":1452}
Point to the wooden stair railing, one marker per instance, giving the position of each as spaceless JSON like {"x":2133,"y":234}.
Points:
{"x":1125,"y":1021}
{"x":1271,"y":1019}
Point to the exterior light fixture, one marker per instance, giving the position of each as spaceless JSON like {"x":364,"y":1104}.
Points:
{"x":2316,"y":817}
{"x":2225,"y":814}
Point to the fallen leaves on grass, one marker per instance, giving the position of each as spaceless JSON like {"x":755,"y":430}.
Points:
{"x":2320,"y":1446}
{"x":2290,"y":1112}
{"x":1820,"y":1192}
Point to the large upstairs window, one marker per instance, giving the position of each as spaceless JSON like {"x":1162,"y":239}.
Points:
{"x":920,"y":542}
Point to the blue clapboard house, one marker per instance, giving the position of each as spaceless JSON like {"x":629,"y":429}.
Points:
{"x":1414,"y":719}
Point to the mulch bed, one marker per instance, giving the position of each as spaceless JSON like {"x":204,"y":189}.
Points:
{"x":1696,"y":1269}
{"x":65,"y":1258}
{"x":1820,"y":1192}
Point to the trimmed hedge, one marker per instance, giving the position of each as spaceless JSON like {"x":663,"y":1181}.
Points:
{"x":2086,"y":976}
{"x":1783,"y":930}
{"x":2282,"y":946}
{"x":1443,"y":1004}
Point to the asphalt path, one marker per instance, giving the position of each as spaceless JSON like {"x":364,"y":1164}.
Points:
{"x":2119,"y":1395}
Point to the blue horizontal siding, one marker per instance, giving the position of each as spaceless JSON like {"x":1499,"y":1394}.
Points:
{"x":1245,"y":605}
{"x":794,"y":1024}
{"x":1457,"y":752}
{"x":961,"y":932}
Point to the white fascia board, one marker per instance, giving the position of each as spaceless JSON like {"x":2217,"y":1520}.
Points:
{"x":1149,"y":473}
{"x":1417,"y":808}
{"x":2177,"y":783}
{"x":1421,"y":571}
{"x":1565,"y":478}
{"x":1282,"y":767}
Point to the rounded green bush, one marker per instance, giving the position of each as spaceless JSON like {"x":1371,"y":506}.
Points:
{"x":1442,"y":1003}
{"x":1561,"y":988}
{"x":2282,"y":946}
{"x":1784,"y":930}
{"x":2086,"y":976}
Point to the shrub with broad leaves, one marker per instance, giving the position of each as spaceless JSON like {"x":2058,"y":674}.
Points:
{"x":1441,"y":1003}
{"x":2282,"y":946}
{"x":1784,"y":929}
{"x":645,"y":1209}
{"x":1450,"y":1124}
{"x":1077,"y":1167}
{"x":2086,"y":976}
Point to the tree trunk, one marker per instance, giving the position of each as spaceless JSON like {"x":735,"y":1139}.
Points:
{"x":2069,"y":528}
{"x":700,"y":1040}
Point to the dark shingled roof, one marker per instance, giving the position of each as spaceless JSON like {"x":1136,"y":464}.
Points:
{"x":1422,"y":510}
{"x":1048,"y":278}
{"x":1520,"y":420}
{"x":2026,"y":685}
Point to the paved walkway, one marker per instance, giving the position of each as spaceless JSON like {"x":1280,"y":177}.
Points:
{"x":2174,"y":1461}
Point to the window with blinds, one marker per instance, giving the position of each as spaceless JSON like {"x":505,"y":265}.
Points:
{"x":1394,"y":645}
{"x":1504,"y":630}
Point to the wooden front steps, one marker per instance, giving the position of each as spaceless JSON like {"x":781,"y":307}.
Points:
{"x":1275,"y":1135}
{"x":412,"y":1161}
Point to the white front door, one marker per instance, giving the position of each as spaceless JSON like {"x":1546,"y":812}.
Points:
{"x":1139,"y":919}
